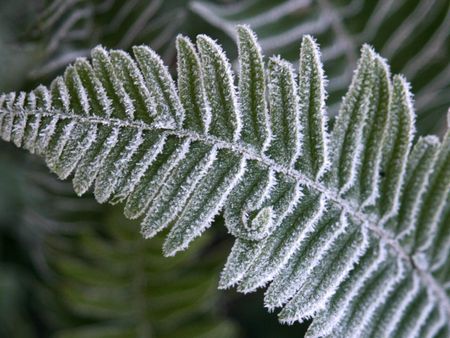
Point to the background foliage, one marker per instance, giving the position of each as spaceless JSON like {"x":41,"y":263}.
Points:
{"x":55,"y":248}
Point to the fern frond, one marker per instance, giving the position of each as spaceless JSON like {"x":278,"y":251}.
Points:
{"x":342,"y":224}
{"x":65,"y":30}
{"x":120,"y":282}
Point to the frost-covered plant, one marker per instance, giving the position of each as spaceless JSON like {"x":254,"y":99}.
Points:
{"x":348,"y":226}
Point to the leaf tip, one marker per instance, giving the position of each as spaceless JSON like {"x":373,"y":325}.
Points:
{"x":244,"y":32}
{"x":99,"y":51}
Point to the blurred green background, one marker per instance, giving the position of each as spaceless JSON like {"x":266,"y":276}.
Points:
{"x":70,"y":267}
